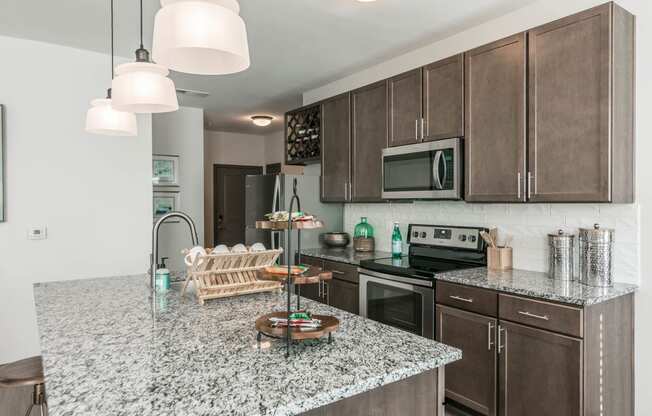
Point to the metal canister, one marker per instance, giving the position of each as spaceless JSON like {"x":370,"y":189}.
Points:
{"x":596,"y":256}
{"x":560,"y":262}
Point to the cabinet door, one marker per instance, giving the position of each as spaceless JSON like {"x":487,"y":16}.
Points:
{"x":540,"y":372}
{"x":313,"y":292}
{"x":369,"y":120}
{"x":343,"y":295}
{"x":569,"y":99}
{"x":404,"y":92}
{"x":336,"y":149}
{"x":470,"y":381}
{"x":443,"y":98}
{"x":495,"y":121}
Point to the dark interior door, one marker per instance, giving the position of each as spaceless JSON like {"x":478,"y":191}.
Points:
{"x":229,"y":202}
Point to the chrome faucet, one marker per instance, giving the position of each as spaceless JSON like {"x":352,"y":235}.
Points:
{"x":157,"y":225}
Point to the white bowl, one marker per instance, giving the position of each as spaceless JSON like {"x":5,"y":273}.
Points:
{"x":189,"y":259}
{"x":220,"y":249}
{"x":258,"y":247}
{"x":239,"y":248}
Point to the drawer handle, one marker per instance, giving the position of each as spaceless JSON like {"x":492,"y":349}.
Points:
{"x":461,"y":299}
{"x":531,"y":315}
{"x":337,"y":272}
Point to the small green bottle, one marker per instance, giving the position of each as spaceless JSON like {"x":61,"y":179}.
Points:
{"x":397,"y":242}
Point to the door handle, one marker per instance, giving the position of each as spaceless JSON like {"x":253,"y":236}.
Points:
{"x":467,"y":300}
{"x":501,"y":347}
{"x":490,"y":330}
{"x":531,"y":315}
{"x":435,"y":169}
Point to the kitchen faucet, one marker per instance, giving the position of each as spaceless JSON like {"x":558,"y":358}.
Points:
{"x":157,"y":225}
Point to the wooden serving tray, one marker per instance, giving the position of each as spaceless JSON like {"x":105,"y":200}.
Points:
{"x":311,"y":276}
{"x":329,"y":324}
{"x":283,"y":225}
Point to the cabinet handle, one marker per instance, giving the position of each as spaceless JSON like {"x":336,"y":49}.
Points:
{"x":467,"y":300}
{"x":416,"y":129}
{"x":518,"y":185}
{"x":529,"y":185}
{"x":422,"y":123}
{"x":326,"y":293}
{"x":501,"y":347}
{"x":336,"y":272}
{"x":531,"y":315}
{"x":490,"y":329}
{"x":319,"y":290}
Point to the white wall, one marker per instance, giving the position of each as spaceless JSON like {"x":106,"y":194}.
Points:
{"x":181,"y":133}
{"x":633,"y":230}
{"x":92,"y":192}
{"x":235,"y":149}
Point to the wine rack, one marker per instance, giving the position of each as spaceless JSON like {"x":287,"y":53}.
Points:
{"x":303,"y":135}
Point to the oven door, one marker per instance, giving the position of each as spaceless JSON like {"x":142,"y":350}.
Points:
{"x":429,"y":170}
{"x":399,"y":302}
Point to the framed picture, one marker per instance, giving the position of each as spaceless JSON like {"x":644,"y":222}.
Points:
{"x":165,"y":170}
{"x":165,"y":202}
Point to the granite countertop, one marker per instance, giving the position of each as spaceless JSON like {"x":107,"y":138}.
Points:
{"x":107,"y":350}
{"x":536,"y":285}
{"x":345,"y":255}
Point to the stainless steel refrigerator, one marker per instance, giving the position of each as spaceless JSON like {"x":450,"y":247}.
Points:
{"x":270,"y":193}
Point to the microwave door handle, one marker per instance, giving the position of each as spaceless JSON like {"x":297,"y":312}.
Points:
{"x":435,"y":169}
{"x":443,"y":160}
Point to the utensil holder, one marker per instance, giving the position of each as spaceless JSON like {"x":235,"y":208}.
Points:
{"x":499,"y":258}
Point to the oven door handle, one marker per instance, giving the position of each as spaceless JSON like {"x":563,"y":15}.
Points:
{"x":384,"y":278}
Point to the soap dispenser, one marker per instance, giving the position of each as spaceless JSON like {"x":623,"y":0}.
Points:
{"x":162,"y":276}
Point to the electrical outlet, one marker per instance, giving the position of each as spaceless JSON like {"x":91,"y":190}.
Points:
{"x":37,"y":233}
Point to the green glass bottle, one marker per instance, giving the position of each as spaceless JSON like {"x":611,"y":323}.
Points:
{"x":363,"y":229}
{"x":397,"y":242}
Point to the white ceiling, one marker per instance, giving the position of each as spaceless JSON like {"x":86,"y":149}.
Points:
{"x":295,"y":45}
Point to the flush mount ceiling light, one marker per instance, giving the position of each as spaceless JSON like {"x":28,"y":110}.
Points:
{"x":206,"y":37}
{"x":102,"y":118}
{"x":143,"y":86}
{"x":262,"y":121}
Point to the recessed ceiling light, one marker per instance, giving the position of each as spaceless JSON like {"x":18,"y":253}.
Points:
{"x":262,"y":121}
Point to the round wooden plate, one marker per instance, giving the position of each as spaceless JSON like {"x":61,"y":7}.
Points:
{"x":311,"y":276}
{"x":328,"y":325}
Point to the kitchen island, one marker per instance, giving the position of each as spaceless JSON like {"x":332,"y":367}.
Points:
{"x":108,"y":351}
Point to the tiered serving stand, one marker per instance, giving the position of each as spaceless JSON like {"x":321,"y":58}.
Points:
{"x":311,"y":276}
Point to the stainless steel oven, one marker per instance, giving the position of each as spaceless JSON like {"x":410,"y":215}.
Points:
{"x":399,"y":301}
{"x":431,"y":170}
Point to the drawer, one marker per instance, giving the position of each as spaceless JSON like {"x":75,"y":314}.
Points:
{"x":312,"y":261}
{"x":545,"y":315}
{"x":342,"y":271}
{"x":468,"y":298}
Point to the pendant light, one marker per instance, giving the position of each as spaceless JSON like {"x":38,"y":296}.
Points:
{"x":143,"y":86}
{"x":206,"y":37}
{"x":102,"y":118}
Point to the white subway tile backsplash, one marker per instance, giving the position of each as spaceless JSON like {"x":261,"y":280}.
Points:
{"x":529,"y":224}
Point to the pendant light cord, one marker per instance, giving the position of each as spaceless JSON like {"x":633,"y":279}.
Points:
{"x":141,"y":24}
{"x":112,"y":65}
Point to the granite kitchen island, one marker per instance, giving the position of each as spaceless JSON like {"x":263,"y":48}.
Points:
{"x":107,"y":350}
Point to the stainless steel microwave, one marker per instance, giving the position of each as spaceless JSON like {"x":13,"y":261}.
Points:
{"x":430,"y":170}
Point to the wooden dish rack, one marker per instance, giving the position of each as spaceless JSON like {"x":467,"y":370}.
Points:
{"x":222,"y":275}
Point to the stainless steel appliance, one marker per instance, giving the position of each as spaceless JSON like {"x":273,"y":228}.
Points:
{"x":268,"y":193}
{"x":431,"y":170}
{"x":401,"y":291}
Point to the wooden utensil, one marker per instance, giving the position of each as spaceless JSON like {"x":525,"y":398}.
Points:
{"x":493,"y":233}
{"x":487,"y":239}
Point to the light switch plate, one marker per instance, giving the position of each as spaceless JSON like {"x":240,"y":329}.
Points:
{"x":37,"y":233}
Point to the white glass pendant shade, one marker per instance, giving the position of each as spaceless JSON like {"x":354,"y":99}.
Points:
{"x":206,"y":37}
{"x":102,"y":118}
{"x":143,"y":87}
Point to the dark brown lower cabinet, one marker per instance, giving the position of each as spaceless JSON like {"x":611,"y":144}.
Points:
{"x":343,"y":295}
{"x":540,"y":372}
{"x":470,"y":381}
{"x":313,"y":292}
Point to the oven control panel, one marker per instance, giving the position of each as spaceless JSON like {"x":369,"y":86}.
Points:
{"x":446,"y":236}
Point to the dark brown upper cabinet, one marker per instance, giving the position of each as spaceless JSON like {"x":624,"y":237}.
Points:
{"x":540,"y":372}
{"x":581,"y":110}
{"x":495,"y":121}
{"x":472,"y":380}
{"x":404,"y":92}
{"x":336,"y":149}
{"x":369,"y":138}
{"x":443,"y":99}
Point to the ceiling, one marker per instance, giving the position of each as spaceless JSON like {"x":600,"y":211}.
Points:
{"x":295,"y":45}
